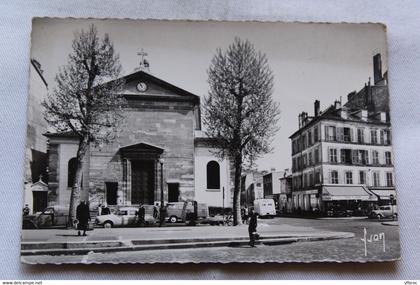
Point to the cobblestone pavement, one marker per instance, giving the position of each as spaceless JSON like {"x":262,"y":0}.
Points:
{"x":331,"y":250}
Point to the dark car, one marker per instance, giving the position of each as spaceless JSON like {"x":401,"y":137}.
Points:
{"x":338,"y":212}
{"x":50,"y":217}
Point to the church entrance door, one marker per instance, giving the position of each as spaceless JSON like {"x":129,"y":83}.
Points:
{"x":40,"y":200}
{"x":142,"y":182}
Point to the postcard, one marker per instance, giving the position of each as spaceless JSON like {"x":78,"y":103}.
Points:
{"x":162,"y":141}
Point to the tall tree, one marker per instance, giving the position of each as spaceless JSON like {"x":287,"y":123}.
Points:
{"x":86,"y":100}
{"x":239,"y":113}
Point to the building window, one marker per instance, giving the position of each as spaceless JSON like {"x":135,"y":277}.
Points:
{"x":389,"y":179}
{"x":71,"y":172}
{"x":360,"y":136}
{"x":374,"y":136}
{"x":316,"y":177}
{"x":347,"y":135}
{"x":213,"y":175}
{"x":388,"y":159}
{"x":309,"y":138}
{"x":333,"y":155}
{"x":375,"y":157}
{"x":315,"y":134}
{"x":387,"y":137}
{"x":330,"y":133}
{"x":334,"y":177}
{"x":310,"y":158}
{"x":311,"y":179}
{"x":363,"y":157}
{"x":111,"y":193}
{"x":316,"y":156}
{"x":362,"y":177}
{"x":346,"y":156}
{"x":376,"y":179}
{"x":349,"y":177}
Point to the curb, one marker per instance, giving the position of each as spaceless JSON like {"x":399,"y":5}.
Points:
{"x":175,"y":244}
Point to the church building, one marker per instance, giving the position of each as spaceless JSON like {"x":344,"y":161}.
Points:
{"x":160,"y":144}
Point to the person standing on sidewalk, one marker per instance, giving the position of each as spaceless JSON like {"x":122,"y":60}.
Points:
{"x":141,"y":215}
{"x":83,"y":216}
{"x":26,"y":210}
{"x":252,"y":227}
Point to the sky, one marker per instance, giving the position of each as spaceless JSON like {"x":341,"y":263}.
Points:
{"x":309,"y":61}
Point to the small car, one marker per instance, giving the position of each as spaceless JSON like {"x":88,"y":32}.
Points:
{"x":51,"y":217}
{"x":175,"y":211}
{"x":124,"y":217}
{"x":385,"y":212}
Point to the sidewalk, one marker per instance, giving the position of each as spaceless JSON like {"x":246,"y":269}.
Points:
{"x":41,"y":242}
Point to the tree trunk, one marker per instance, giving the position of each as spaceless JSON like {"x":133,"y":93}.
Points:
{"x":76,"y":189}
{"x":237,"y":190}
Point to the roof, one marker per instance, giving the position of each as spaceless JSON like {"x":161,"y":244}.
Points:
{"x":331,"y":113}
{"x":69,"y":134}
{"x":160,"y":82}
{"x":142,"y":146}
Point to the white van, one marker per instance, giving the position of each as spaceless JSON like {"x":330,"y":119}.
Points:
{"x":265,"y":207}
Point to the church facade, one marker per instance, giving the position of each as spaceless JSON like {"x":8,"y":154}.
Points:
{"x":159,"y":146}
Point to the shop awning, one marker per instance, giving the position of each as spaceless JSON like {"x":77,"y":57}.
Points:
{"x":347,"y":192}
{"x":384,"y":194}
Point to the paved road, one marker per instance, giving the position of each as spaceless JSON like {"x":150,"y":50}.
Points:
{"x":331,"y":250}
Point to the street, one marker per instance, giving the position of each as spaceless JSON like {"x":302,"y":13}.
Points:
{"x":382,"y":242}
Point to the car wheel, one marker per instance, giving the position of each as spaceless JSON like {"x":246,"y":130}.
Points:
{"x":173,"y":219}
{"x":108,"y":224}
{"x":378,"y":216}
{"x":395,"y":216}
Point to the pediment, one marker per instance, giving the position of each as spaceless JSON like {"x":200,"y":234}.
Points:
{"x":143,"y":84}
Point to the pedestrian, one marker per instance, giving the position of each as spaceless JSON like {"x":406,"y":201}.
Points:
{"x":26,"y":210}
{"x":245,"y":215}
{"x":99,"y":209}
{"x":83,"y":216}
{"x":252,"y":227}
{"x":141,"y":213}
{"x":105,"y":210}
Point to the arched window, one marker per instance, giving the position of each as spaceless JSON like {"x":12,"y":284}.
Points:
{"x":71,"y":172}
{"x":213,"y":175}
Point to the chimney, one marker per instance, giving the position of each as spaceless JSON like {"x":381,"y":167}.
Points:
{"x":316,"y":108}
{"x":377,"y":68}
{"x":337,"y":104}
{"x":300,"y":120}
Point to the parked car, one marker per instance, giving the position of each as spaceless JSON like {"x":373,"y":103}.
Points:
{"x":339,"y":212}
{"x":385,"y":212}
{"x":50,"y":217}
{"x":182,"y":211}
{"x":124,"y":217}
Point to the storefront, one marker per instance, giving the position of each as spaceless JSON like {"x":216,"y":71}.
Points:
{"x":347,"y":200}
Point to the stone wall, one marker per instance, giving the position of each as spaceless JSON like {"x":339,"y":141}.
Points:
{"x":166,"y":124}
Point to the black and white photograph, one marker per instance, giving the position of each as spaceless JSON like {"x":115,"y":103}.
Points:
{"x":171,"y":141}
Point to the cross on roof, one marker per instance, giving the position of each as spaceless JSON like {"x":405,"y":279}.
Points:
{"x":142,"y":53}
{"x":144,"y":64}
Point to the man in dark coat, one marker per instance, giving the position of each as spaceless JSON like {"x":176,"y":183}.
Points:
{"x":252,"y":227}
{"x":141,"y":213}
{"x":83,"y":216}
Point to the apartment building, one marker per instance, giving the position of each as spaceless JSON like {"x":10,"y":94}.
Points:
{"x":342,"y":157}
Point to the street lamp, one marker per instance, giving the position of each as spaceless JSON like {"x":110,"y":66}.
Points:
{"x":162,"y":208}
